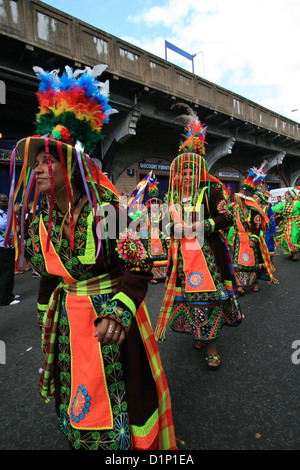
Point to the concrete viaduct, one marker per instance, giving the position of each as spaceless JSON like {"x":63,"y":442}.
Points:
{"x":143,"y":87}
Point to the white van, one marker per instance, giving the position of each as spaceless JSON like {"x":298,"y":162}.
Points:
{"x":279,"y":192}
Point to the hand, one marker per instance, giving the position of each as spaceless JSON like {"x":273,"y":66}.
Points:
{"x":178,"y":230}
{"x":193,"y":230}
{"x":109,"y":331}
{"x":252,"y":244}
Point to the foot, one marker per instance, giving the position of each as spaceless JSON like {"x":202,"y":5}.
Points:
{"x":199,"y":345}
{"x":213,"y":361}
{"x":241,"y":290}
{"x":255,"y":288}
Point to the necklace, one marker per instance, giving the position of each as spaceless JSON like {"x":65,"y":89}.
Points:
{"x":76,"y":203}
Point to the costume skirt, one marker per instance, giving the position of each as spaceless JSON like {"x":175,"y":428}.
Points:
{"x":203,"y":321}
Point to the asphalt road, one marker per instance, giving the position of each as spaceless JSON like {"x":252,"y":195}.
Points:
{"x":252,"y":402}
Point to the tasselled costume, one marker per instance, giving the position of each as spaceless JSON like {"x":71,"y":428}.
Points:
{"x":250,"y":224}
{"x":107,"y":397}
{"x":200,"y":292}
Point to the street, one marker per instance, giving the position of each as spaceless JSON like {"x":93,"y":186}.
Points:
{"x":252,"y":402}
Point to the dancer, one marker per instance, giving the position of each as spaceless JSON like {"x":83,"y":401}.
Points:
{"x":270,"y":233}
{"x":102,"y":363}
{"x":200,"y":296}
{"x":289,"y":209}
{"x":250,"y":252}
{"x":153,"y":218}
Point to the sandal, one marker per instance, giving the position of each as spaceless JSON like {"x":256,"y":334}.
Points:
{"x":199,"y":345}
{"x":216,"y":358}
{"x":255,"y":288}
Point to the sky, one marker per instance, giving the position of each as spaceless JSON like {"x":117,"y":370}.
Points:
{"x":248,"y":47}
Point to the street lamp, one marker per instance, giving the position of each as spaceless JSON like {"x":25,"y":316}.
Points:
{"x":201,"y":52}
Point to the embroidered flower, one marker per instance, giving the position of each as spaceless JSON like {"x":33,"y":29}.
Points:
{"x":130,"y":247}
{"x":223,"y":207}
{"x":100,"y":302}
{"x":195,"y":279}
{"x":122,"y":431}
{"x":257,"y":219}
{"x":64,"y":422}
{"x":81,"y":404}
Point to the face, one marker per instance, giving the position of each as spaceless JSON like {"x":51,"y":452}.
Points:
{"x":189,"y":179}
{"x":42,"y":173}
{"x":257,"y":198}
{"x":288,"y":197}
{"x":3,"y":202}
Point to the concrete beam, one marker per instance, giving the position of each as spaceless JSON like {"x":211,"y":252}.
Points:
{"x":219,"y":151}
{"x":122,"y":131}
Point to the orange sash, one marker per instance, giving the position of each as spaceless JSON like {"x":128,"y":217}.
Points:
{"x":246,"y":254}
{"x":199,"y":279}
{"x":89,"y":406}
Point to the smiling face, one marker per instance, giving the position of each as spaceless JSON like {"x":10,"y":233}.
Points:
{"x":41,"y":171}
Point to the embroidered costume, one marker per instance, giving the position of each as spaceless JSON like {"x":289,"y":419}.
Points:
{"x":289,"y":236}
{"x":200,"y":296}
{"x":152,"y":217}
{"x":250,"y":252}
{"x":108,"y":397}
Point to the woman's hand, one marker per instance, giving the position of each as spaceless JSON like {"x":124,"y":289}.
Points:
{"x":109,"y":331}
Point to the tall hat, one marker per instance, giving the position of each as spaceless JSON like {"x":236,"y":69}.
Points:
{"x":72,"y":110}
{"x":191,"y":155}
{"x":253,"y":181}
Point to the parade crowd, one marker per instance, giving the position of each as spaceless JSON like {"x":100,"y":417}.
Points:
{"x":209,"y":247}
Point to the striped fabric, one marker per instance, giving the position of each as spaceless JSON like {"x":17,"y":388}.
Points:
{"x":169,"y":296}
{"x":267,"y":260}
{"x":166,"y":428}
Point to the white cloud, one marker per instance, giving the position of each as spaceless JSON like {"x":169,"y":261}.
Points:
{"x":245,"y":44}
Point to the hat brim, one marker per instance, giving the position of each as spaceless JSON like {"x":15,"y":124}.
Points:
{"x":35,"y":143}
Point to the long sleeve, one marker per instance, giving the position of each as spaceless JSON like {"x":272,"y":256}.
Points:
{"x":220,"y":216}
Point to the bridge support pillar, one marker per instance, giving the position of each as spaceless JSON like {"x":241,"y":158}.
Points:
{"x":215,"y":153}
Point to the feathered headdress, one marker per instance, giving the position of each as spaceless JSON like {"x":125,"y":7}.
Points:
{"x":72,"y":111}
{"x":72,"y":108}
{"x":253,"y":180}
{"x":194,"y":138}
{"x":153,"y":188}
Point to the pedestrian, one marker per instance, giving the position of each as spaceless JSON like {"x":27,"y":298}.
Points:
{"x":200,"y":295}
{"x":7,"y":259}
{"x":102,"y":363}
{"x":250,"y":252}
{"x":290,"y":231}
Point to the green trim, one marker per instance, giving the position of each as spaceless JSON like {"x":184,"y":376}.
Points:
{"x":126,"y":301}
{"x":89,"y":256}
{"x":142,"y":431}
